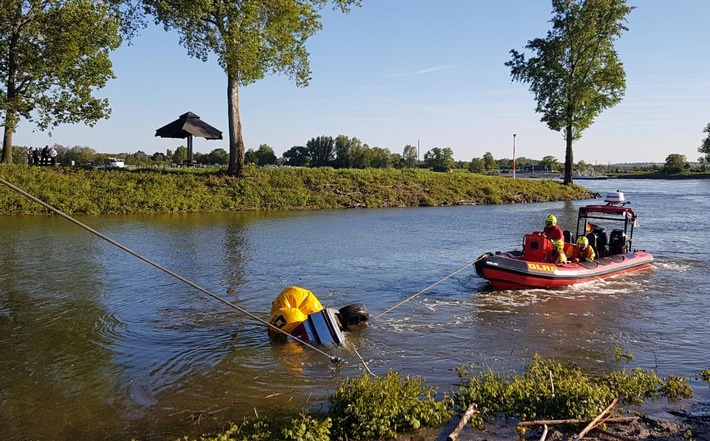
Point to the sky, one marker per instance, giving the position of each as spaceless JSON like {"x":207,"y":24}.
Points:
{"x":412,"y":72}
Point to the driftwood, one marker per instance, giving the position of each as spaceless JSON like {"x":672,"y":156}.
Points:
{"x":575,"y":421}
{"x":464,"y":420}
{"x":596,"y":421}
{"x":544,"y":434}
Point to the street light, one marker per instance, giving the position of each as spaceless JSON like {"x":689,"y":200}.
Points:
{"x":513,"y":155}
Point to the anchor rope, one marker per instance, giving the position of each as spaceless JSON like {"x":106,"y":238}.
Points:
{"x":332,"y":358}
{"x":430,"y":287}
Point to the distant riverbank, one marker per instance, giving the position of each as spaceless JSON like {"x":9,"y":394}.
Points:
{"x":659,"y":175}
{"x":121,"y":191}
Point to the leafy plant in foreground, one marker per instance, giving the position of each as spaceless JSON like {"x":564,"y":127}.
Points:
{"x":381,"y":407}
{"x":547,"y":389}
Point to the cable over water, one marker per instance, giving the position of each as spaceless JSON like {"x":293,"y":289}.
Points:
{"x":332,"y":358}
{"x":428,"y":287}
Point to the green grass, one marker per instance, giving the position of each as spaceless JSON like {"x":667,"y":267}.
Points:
{"x":121,"y":191}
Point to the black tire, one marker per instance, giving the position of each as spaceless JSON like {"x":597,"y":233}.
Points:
{"x":354,"y":316}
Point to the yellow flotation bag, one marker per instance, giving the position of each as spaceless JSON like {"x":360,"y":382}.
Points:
{"x":291,"y":308}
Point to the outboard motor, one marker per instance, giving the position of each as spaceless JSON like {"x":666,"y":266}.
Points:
{"x":617,"y":242}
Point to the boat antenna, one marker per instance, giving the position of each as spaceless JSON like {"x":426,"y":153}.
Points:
{"x":54,"y":210}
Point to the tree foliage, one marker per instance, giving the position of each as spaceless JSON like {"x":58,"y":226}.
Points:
{"x":441,"y":158}
{"x":53,"y":55}
{"x":549,"y":162}
{"x":297,"y":156}
{"x":489,"y":162}
{"x":410,"y":156}
{"x":675,"y":163}
{"x":264,"y":155}
{"x":476,"y":165}
{"x":705,"y":146}
{"x":575,"y":72}
{"x":251,"y":39}
{"x":321,"y":150}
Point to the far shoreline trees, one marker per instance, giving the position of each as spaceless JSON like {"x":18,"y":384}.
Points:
{"x":438,"y":159}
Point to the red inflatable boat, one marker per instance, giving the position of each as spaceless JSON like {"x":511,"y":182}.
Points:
{"x":531,"y":267}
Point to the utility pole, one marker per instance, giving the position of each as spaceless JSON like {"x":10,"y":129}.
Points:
{"x":513,"y":155}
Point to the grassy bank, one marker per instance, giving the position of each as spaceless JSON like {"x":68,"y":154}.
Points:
{"x":121,"y":191}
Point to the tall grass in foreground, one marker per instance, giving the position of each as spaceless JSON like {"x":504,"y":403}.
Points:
{"x":121,"y":191}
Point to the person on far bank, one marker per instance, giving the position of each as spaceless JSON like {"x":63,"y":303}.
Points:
{"x":586,"y":253}
{"x":553,"y":231}
{"x":53,"y":156}
{"x":558,"y":256}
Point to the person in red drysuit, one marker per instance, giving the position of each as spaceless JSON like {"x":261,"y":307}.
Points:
{"x":553,"y":231}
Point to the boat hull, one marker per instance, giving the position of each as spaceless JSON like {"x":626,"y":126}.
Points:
{"x":510,"y":271}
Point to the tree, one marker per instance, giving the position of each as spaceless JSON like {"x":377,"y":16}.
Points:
{"x":549,"y":162}
{"x":410,"y":156}
{"x":575,"y":72}
{"x":265,"y":155}
{"x":297,"y":156}
{"x":53,"y":55}
{"x":251,"y":39}
{"x":137,"y":158}
{"x":675,"y":163}
{"x":489,"y":162}
{"x":81,"y":155}
{"x":345,"y":148}
{"x":218,"y":156}
{"x":180,"y":155}
{"x":476,"y":165}
{"x":380,"y":158}
{"x":705,"y":147}
{"x":441,"y":158}
{"x":321,"y":150}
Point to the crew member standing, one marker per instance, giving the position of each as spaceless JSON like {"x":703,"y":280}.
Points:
{"x":553,"y":231}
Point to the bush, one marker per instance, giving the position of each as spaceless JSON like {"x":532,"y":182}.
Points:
{"x":369,"y":407}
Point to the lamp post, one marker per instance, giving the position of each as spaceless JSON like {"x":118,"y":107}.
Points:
{"x":513,"y":155}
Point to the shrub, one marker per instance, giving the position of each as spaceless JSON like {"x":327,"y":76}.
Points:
{"x":369,"y":407}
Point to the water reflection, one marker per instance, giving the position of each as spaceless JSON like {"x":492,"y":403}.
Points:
{"x":235,"y":251}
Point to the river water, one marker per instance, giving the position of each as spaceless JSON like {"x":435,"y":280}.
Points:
{"x":96,"y":344}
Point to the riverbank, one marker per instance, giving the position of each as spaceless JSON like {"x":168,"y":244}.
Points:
{"x":660,"y":175}
{"x":146,"y":191}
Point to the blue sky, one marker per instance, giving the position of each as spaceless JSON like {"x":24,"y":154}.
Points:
{"x":398,"y":72}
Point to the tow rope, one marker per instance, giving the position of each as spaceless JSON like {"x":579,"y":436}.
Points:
{"x":431,"y":286}
{"x":332,"y":358}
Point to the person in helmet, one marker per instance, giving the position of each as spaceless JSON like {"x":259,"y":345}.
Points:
{"x":586,"y":253}
{"x":558,"y":252}
{"x":553,"y":231}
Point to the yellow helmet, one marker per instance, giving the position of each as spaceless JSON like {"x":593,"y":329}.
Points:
{"x":551,"y":219}
{"x":558,"y":244}
{"x":583,"y":241}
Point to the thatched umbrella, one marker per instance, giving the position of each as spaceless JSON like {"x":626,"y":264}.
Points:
{"x":187,"y":126}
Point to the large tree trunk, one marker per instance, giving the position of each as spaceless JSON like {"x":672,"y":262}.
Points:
{"x":236,"y":142}
{"x":7,"y":146}
{"x":569,"y":156}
